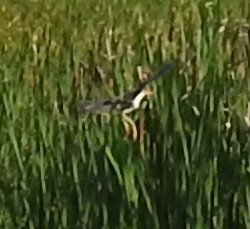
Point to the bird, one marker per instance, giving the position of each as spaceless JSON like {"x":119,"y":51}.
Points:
{"x":125,"y":103}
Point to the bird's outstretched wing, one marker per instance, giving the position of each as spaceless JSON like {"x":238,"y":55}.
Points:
{"x":100,"y":106}
{"x":103,"y":106}
{"x":159,"y":72}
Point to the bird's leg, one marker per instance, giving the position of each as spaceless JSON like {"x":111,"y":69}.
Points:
{"x":142,"y":130}
{"x":126,"y":122}
{"x":126,"y":126}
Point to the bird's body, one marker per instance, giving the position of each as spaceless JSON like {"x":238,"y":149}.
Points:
{"x":134,"y":104}
{"x":126,"y":103}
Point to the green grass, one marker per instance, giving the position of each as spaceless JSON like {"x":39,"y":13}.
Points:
{"x":188,"y":170}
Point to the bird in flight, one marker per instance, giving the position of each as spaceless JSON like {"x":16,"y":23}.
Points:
{"x":125,"y":103}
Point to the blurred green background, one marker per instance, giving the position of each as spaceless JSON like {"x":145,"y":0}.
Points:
{"x":189,"y":167}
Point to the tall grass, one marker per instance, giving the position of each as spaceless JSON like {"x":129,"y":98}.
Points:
{"x":189,"y":167}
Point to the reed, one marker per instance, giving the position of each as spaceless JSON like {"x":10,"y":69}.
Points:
{"x":189,"y":167}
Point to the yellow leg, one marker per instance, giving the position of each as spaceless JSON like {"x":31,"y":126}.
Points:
{"x":126,"y":126}
{"x":126,"y":122}
{"x":141,"y":130}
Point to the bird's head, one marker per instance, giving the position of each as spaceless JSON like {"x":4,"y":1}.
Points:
{"x":143,"y":74}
